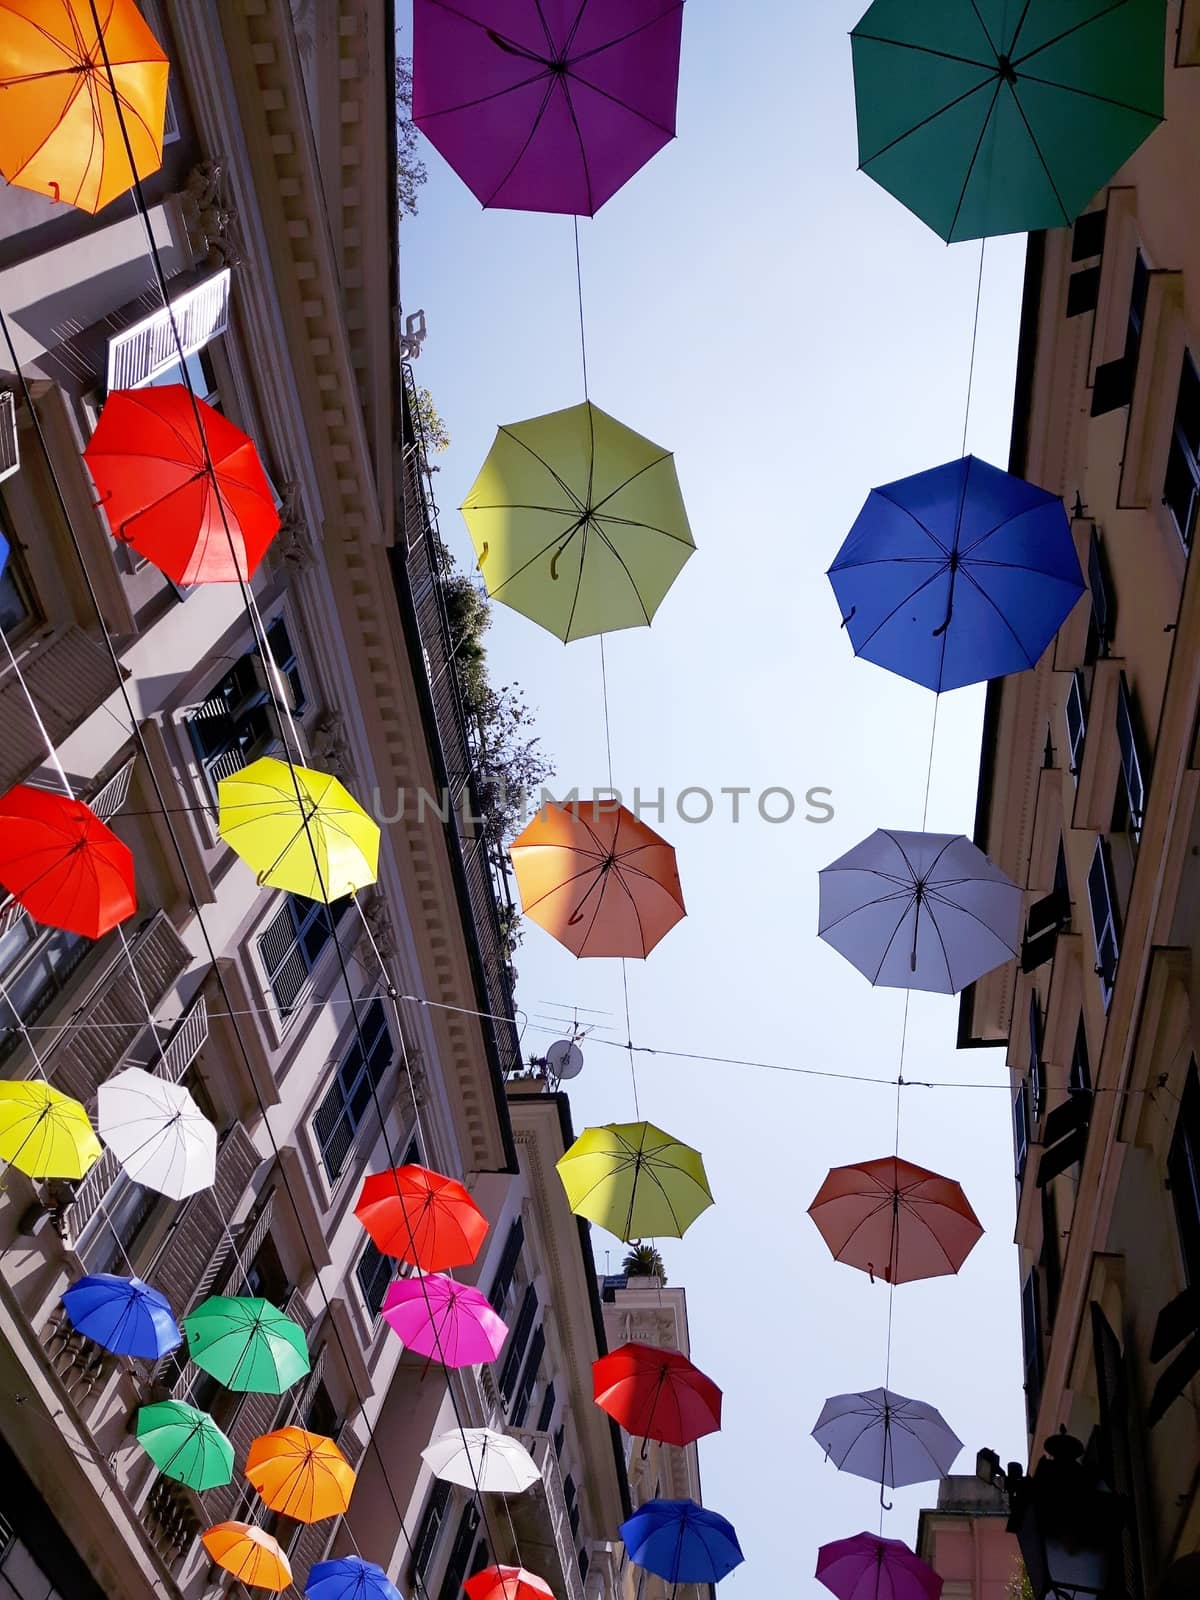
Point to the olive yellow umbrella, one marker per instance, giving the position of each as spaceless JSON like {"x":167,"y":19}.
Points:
{"x":43,"y":1133}
{"x":299,"y":830}
{"x":578,"y":522}
{"x":635,"y":1180}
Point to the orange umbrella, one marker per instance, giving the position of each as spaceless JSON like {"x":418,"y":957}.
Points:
{"x":895,"y":1220}
{"x":507,"y":1583}
{"x":250,"y":1554}
{"x":59,"y":130}
{"x":303,"y":1475}
{"x":421,"y":1217}
{"x":597,"y":878}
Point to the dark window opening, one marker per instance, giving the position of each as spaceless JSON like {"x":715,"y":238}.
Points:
{"x":1021,"y":1128}
{"x":1048,"y":917}
{"x":1115,"y":379}
{"x":546,"y":1414}
{"x":1103,"y":616}
{"x":1087,"y":237}
{"x":1036,"y":1074}
{"x":1133,"y":763}
{"x":460,"y":1553}
{"x":237,"y":723}
{"x":518,"y":1339}
{"x":1102,"y":904}
{"x":1031,"y":1344}
{"x":350,"y":1097}
{"x":293,"y":943}
{"x":1080,"y":1077}
{"x":1051,"y":1254}
{"x":1181,"y":488}
{"x":1076,"y":718}
{"x":529,"y":1377}
{"x":1065,"y":1136}
{"x":431,"y":1525}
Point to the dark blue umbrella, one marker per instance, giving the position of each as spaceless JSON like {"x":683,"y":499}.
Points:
{"x":956,"y":575}
{"x":349,"y":1579}
{"x":681,"y":1542}
{"x":124,"y":1315}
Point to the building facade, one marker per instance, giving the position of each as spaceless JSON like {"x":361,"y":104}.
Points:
{"x":965,"y":1540}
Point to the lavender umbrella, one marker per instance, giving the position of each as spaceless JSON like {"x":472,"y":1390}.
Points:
{"x":546,"y":105}
{"x":446,"y":1321}
{"x":867,"y":1568}
{"x":886,"y":1438}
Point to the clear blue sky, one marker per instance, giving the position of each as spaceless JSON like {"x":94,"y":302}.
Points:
{"x":760,"y":307}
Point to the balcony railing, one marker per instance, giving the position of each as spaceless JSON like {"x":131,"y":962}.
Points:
{"x":552,"y":1502}
{"x":68,"y":675}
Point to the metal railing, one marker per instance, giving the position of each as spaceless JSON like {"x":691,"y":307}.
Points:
{"x":541,"y":1448}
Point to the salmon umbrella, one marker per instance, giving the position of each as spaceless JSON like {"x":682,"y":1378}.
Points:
{"x":300,"y":1474}
{"x":60,"y":132}
{"x":507,"y":1583}
{"x":60,"y":862}
{"x":422,"y":1217}
{"x":656,"y":1394}
{"x":193,"y":500}
{"x":251,"y":1555}
{"x":597,"y":878}
{"x":895,"y":1220}
{"x":635,"y":1180}
{"x":445,"y":1321}
{"x":298,"y":829}
{"x":43,"y":1133}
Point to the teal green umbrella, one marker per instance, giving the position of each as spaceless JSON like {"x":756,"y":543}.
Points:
{"x":246,"y":1344}
{"x":185,"y":1444}
{"x":1001,"y":116}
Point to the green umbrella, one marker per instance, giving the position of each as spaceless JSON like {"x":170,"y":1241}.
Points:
{"x":578,"y":522}
{"x":246,"y":1344}
{"x":185,"y":1444}
{"x":1001,"y":116}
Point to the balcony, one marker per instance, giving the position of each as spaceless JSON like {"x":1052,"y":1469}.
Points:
{"x":68,"y":675}
{"x":543,"y":1527}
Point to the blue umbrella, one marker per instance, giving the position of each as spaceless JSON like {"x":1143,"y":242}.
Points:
{"x":3,"y":552}
{"x":681,"y":1542}
{"x":350,"y":1579}
{"x":124,"y":1315}
{"x":956,"y":575}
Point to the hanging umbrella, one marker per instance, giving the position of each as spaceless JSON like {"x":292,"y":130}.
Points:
{"x":990,"y":119}
{"x":246,"y":1344}
{"x":480,"y":1458}
{"x":148,"y":460}
{"x":957,"y":574}
{"x":185,"y":1444}
{"x":158,"y":1133}
{"x":446,"y":1321}
{"x":886,"y":1438}
{"x":300,"y":1474}
{"x":919,"y":911}
{"x":61,"y":134}
{"x":44,"y":1134}
{"x":350,"y":1578}
{"x":635,"y":1180}
{"x":681,"y":1542}
{"x":319,"y":843}
{"x":507,"y":1583}
{"x":597,"y":878}
{"x":544,"y":108}
{"x":251,"y":1555}
{"x":895,"y":1220}
{"x":422,"y":1217}
{"x":870,"y":1568}
{"x":123,"y":1315}
{"x":578,"y":522}
{"x":62,"y":864}
{"x":656,"y":1394}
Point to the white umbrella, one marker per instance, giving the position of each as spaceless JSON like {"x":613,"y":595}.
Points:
{"x":886,"y":1438}
{"x":487,"y":1459}
{"x":158,"y":1133}
{"x":919,"y":911}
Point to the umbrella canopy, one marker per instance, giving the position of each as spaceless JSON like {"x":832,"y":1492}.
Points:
{"x":61,"y":134}
{"x":656,"y":1394}
{"x":507,"y":1583}
{"x":446,"y":1321}
{"x":886,"y":1438}
{"x":422,"y":1217}
{"x":124,"y":1315}
{"x":578,"y":522}
{"x":158,"y":1133}
{"x":635,"y":1180}
{"x":681,"y":1542}
{"x":597,"y":878}
{"x":300,"y":1474}
{"x":897,"y":1221}
{"x":44,"y":1134}
{"x":250,"y":1554}
{"x":919,"y":910}
{"x":349,"y":1578}
{"x":998,"y":118}
{"x":546,"y":108}
{"x":246,"y":1344}
{"x":957,"y":574}
{"x":148,"y":460}
{"x":480,"y":1458}
{"x":319,"y":843}
{"x":185,"y":1444}
{"x":870,"y":1568}
{"x":64,"y":866}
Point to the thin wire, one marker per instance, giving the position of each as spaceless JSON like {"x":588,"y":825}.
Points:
{"x":974,"y":339}
{"x":937,"y":700}
{"x":579,"y":288}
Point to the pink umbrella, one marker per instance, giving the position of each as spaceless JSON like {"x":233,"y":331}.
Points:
{"x":446,"y":1321}
{"x":867,"y":1568}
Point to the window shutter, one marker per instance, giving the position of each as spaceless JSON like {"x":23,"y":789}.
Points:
{"x":1178,"y":1320}
{"x":1046,"y":920}
{"x":1065,"y":1136}
{"x":1113,"y":387}
{"x":10,"y":446}
{"x":1076,"y":715}
{"x":1035,"y":1059}
{"x":147,"y":348}
{"x":1081,"y":1067}
{"x":1087,"y":237}
{"x":546,"y":1414}
{"x":1132,"y":765}
{"x":518,"y":1340}
{"x":1051,"y":1254}
{"x":529,"y":1377}
{"x":1116,"y":1448}
{"x":1031,"y":1339}
{"x":1183,"y":1172}
{"x":1104,"y":919}
{"x":431,"y":1525}
{"x":502,"y":1282}
{"x":1021,"y":1128}
{"x":460,"y":1553}
{"x":1102,"y":605}
{"x":1083,"y":291}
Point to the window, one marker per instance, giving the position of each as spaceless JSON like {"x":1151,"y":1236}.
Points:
{"x":344,"y":1108}
{"x":374,"y":1272}
{"x":1081,"y":1068}
{"x":1100,"y":628}
{"x":583,"y":1564}
{"x":1076,"y":715}
{"x":146,"y":351}
{"x":1104,"y":920}
{"x":35,"y":964}
{"x":502,"y":1282}
{"x":1021,"y":1127}
{"x":293,"y":943}
{"x":1132,"y":765}
{"x":572,"y":1499}
{"x":1047,"y":918}
{"x":560,"y":1435}
{"x":237,"y":723}
{"x":1031,"y":1343}
{"x":1087,"y":238}
{"x":431,"y":1525}
{"x":518,"y":1339}
{"x":265,"y":1277}
{"x":1115,"y":379}
{"x":460,"y":1553}
{"x":546,"y":1414}
{"x":1036,"y":1080}
{"x":1183,"y":1172}
{"x":1051,"y":1253}
{"x":529,"y":1378}
{"x":114,"y":1232}
{"x":1064,"y":1138}
{"x":1181,"y":489}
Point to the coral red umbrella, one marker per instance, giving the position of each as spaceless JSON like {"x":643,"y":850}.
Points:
{"x":62,"y":864}
{"x":422,"y":1217}
{"x":656,"y":1394}
{"x":507,"y":1583}
{"x":160,"y":495}
{"x":895,"y":1220}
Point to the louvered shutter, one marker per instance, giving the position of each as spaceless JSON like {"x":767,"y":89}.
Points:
{"x":502,"y":1282}
{"x":518,"y":1339}
{"x":1116,"y":1446}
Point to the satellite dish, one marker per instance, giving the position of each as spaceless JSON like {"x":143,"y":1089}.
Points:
{"x":564,"y":1059}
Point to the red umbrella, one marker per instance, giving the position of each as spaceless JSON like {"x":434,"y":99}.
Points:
{"x":148,"y":461}
{"x":60,"y":862}
{"x":895,"y":1220}
{"x":421,"y":1217}
{"x":507,"y":1583}
{"x":656,"y":1394}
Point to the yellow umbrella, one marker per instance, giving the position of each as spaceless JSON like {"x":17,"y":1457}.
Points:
{"x":43,"y":1133}
{"x":318,"y":842}
{"x":635,"y":1180}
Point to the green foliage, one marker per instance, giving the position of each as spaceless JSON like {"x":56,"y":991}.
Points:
{"x":1019,"y":1586}
{"x":410,"y":169}
{"x":644,"y":1261}
{"x":431,"y":430}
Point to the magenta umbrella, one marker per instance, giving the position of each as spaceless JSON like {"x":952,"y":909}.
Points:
{"x":867,"y":1568}
{"x":546,"y":105}
{"x":446,"y":1321}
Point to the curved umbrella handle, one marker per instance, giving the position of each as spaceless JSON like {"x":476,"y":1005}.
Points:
{"x":848,"y":617}
{"x":554,"y":563}
{"x":483,"y":555}
{"x":886,"y":1504}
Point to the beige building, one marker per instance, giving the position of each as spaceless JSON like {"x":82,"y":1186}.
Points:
{"x":965,"y":1539}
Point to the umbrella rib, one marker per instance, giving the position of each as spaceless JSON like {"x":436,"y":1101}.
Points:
{"x":904,"y":600}
{"x":975,"y":584}
{"x":909,"y":512}
{"x":1076,"y":27}
{"x":616,"y":101}
{"x":932,"y":117}
{"x":523,"y":151}
{"x":1045,"y":164}
{"x":587,"y":183}
{"x":624,"y":568}
{"x":647,"y":527}
{"x":566,"y":488}
{"x":550,"y":45}
{"x":637,"y":915}
{"x":966,"y":184}
{"x":965,"y":911}
{"x":578,"y":579}
{"x":983,"y":28}
{"x":892,"y":938}
{"x":622,"y":38}
{"x":1090,"y":94}
{"x":76,"y":91}
{"x":667,"y":455}
{"x":924,"y":49}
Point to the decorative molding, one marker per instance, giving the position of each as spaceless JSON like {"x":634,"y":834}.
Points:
{"x":294,"y":545}
{"x":332,"y":752}
{"x":211,"y":222}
